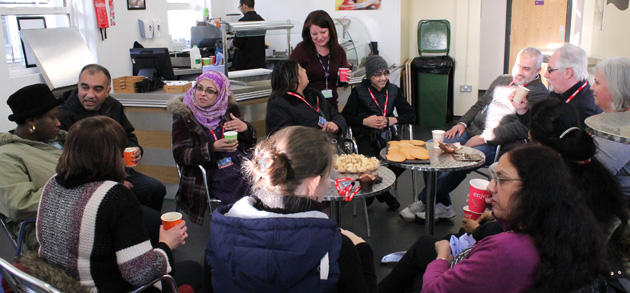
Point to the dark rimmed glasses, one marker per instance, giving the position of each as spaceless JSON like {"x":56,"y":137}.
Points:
{"x":208,"y":90}
{"x":551,"y":69}
{"x":381,"y":73}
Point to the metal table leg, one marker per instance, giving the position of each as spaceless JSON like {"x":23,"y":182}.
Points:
{"x":429,"y":222}
{"x":335,"y":211}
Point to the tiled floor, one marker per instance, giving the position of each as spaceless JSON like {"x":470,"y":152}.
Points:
{"x":389,"y":232}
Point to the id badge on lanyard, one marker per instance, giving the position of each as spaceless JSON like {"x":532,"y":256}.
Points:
{"x":328,"y":93}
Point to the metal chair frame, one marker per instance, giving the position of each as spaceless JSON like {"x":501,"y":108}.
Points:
{"x":166,"y":278}
{"x":17,"y":243}
{"x":211,"y":201}
{"x":20,"y":281}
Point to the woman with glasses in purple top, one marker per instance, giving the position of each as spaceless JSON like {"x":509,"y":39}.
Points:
{"x":200,"y":120}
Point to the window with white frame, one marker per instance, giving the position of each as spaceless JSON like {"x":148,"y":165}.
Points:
{"x":56,"y":13}
{"x":182,"y":15}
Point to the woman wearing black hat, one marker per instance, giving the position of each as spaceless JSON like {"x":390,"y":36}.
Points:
{"x":29,"y":153}
{"x":370,"y":113}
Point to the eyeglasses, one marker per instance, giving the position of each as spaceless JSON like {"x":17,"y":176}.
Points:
{"x":208,"y":90}
{"x":239,"y":7}
{"x":498,"y":181}
{"x":551,"y":69}
{"x":381,"y":73}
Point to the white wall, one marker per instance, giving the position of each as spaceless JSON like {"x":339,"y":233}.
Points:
{"x":491,"y":41}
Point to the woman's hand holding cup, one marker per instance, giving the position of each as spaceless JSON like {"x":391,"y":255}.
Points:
{"x":175,"y":236}
{"x":225,"y":145}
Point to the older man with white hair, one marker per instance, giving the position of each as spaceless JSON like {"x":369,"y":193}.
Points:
{"x":567,"y":75}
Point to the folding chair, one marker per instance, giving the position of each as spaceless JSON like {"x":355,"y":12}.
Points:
{"x":17,"y":242}
{"x":213,"y":203}
{"x":20,"y":281}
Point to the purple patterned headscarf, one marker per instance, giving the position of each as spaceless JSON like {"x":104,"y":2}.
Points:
{"x":210,"y":116}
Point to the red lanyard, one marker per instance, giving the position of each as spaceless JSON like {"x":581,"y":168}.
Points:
{"x":215,"y":136}
{"x":576,"y":92}
{"x":379,"y":106}
{"x":303,"y":100}
{"x":347,"y":192}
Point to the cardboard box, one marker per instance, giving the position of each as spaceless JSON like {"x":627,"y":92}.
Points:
{"x":126,"y":84}
{"x":177,"y":86}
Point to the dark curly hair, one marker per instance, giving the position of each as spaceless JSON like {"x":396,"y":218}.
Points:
{"x":549,"y":209}
{"x":550,"y":118}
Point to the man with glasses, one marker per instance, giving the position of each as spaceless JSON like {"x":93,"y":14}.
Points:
{"x":490,"y":122}
{"x":567,"y":73}
{"x":249,"y":52}
{"x":91,"y":98}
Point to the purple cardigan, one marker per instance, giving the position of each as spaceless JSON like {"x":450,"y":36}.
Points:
{"x":501,"y":263}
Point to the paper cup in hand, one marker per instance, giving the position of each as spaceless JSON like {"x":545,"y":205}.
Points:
{"x":468,"y":214}
{"x":477,"y":195}
{"x":129,"y":157}
{"x":438,"y":137}
{"x":343,"y":77}
{"x":520,"y":93}
{"x":230,"y":135}
{"x":171,"y":219}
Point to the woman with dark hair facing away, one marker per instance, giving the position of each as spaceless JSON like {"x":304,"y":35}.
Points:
{"x":89,"y":224}
{"x":370,"y":113}
{"x":557,"y":125}
{"x":200,"y":120}
{"x":321,"y":55}
{"x":611,"y":91}
{"x":278,"y":240}
{"x":292,"y":102}
{"x":549,"y":243}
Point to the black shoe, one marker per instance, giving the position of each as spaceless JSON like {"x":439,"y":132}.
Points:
{"x":390,"y":200}
{"x":369,"y":201}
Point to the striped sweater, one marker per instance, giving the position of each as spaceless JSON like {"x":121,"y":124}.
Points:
{"x":94,"y":231}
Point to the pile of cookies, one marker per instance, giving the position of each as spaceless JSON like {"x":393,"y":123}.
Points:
{"x":356,"y":163}
{"x":399,"y":151}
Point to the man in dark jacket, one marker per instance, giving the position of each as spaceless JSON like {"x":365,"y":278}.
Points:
{"x":490,"y":122}
{"x":249,"y":49}
{"x":91,"y":98}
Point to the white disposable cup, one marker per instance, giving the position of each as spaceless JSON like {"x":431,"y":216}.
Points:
{"x":520,"y":93}
{"x":438,"y":137}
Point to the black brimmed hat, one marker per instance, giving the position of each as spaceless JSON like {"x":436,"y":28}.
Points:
{"x":32,"y":101}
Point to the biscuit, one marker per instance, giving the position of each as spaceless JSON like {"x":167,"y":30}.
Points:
{"x":420,"y":153}
{"x":405,"y":143}
{"x":418,"y":142}
{"x":396,"y":157}
{"x":393,"y":142}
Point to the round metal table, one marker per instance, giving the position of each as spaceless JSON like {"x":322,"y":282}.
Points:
{"x":335,"y":199}
{"x":439,"y":162}
{"x":612,"y":126}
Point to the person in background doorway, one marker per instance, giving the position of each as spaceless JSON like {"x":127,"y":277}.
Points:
{"x":249,"y":52}
{"x":91,"y":98}
{"x":321,"y":55}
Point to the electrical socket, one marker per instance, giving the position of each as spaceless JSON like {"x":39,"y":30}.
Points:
{"x":465,"y":88}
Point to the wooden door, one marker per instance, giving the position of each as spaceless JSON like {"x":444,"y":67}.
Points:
{"x":532,"y":25}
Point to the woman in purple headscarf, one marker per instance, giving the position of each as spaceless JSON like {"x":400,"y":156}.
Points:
{"x":200,"y":119}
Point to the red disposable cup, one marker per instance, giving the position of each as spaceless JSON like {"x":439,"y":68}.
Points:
{"x":213,"y":59}
{"x":171,"y":219}
{"x":468,"y":214}
{"x":342,"y":74}
{"x":477,"y":195}
{"x":129,"y":157}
